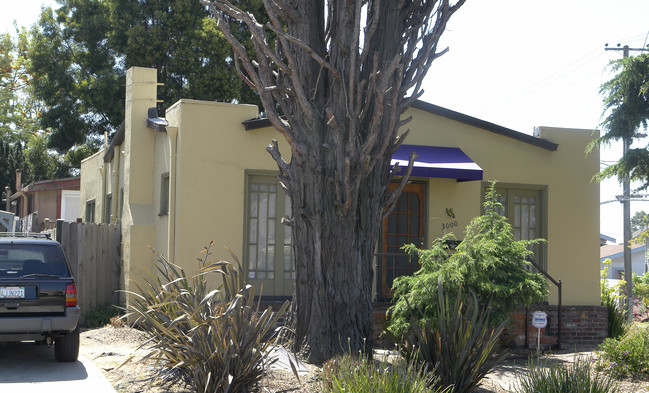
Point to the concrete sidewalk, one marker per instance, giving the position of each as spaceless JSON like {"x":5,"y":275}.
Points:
{"x":26,"y":368}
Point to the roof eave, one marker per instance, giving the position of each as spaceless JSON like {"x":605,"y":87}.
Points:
{"x":485,"y":125}
{"x":257,"y":123}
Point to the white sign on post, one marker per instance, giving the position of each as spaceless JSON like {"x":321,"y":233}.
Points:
{"x":539,"y":321}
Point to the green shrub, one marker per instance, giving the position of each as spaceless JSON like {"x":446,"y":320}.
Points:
{"x":489,"y":262}
{"x":211,"y":339}
{"x":628,"y":355}
{"x":461,"y":346}
{"x":641,"y":288}
{"x":557,"y":378}
{"x":612,"y":299}
{"x":640,"y":311}
{"x":101,"y":316}
{"x":358,"y":374}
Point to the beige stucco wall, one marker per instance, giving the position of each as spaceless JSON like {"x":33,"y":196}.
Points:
{"x":138,"y":219}
{"x":213,"y":153}
{"x":92,"y":172}
{"x":572,"y":198}
{"x":161,"y":166}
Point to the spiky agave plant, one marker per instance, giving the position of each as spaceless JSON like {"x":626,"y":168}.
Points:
{"x":213,"y":338}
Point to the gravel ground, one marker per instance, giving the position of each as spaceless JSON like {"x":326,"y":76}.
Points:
{"x":115,"y":351}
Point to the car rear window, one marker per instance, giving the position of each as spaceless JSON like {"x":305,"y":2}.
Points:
{"x":17,"y":260}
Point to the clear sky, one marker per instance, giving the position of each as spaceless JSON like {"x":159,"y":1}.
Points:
{"x":516,"y":63}
{"x":523,"y":64}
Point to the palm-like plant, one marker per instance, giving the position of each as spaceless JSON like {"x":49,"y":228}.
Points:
{"x":461,"y":345}
{"x":211,"y":338}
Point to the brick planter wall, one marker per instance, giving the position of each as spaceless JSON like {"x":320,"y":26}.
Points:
{"x":581,"y":325}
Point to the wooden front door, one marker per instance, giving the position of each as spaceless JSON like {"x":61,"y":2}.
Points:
{"x":404,"y":225}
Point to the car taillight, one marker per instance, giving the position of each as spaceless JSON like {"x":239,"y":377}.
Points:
{"x":70,"y":295}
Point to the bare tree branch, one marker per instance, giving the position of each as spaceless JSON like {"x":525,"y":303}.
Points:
{"x":273,"y":149}
{"x":393,"y":197}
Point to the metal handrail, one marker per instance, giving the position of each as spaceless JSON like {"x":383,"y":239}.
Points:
{"x":559,"y":286}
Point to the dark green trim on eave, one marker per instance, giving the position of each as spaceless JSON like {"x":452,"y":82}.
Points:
{"x":485,"y":125}
{"x":253,"y":124}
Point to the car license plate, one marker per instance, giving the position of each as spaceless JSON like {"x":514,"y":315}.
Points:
{"x":12,"y":292}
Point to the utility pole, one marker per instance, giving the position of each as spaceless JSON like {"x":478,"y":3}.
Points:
{"x":626,"y":207}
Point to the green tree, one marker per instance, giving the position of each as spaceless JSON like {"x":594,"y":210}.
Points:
{"x":490,"y":262}
{"x":43,"y":163}
{"x":639,"y":221}
{"x":40,"y":162}
{"x":11,"y":158}
{"x":626,"y":103}
{"x":81,"y":52}
{"x":19,"y":110}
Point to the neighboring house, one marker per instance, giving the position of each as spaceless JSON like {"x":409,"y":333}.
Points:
{"x":615,"y":252}
{"x":603,"y":239}
{"x":41,"y":203}
{"x":202,"y":174}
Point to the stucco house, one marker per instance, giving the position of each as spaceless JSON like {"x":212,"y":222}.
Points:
{"x":202,"y":174}
{"x":604,"y":240}
{"x":39,"y":204}
{"x":615,"y":252}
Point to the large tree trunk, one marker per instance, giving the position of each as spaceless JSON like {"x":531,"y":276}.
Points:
{"x":341,"y":72}
{"x":332,"y":305}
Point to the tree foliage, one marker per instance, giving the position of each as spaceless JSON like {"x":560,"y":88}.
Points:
{"x":639,"y":221}
{"x":11,"y":158}
{"x":19,"y":110}
{"x":489,"y":262}
{"x":81,"y":52}
{"x":626,"y":103}
{"x":334,"y":84}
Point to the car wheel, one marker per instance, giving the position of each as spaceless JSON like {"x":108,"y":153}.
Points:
{"x":66,"y":348}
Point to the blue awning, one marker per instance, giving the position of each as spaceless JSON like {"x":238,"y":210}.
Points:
{"x":436,"y":161}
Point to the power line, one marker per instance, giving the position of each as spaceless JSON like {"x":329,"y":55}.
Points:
{"x":551,"y":78}
{"x":558,"y":75}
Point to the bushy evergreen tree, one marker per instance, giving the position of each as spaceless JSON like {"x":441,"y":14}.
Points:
{"x":626,"y":104}
{"x":489,"y":261}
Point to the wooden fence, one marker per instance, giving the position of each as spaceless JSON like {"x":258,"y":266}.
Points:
{"x":94,"y":253}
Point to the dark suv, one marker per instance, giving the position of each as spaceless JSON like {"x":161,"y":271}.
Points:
{"x":38,"y":295}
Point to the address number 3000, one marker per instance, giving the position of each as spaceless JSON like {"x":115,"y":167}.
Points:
{"x":450,"y":225}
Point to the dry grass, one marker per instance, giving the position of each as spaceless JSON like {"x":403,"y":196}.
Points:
{"x":115,"y":351}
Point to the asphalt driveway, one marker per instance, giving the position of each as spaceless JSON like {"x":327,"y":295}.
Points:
{"x":26,"y":368}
